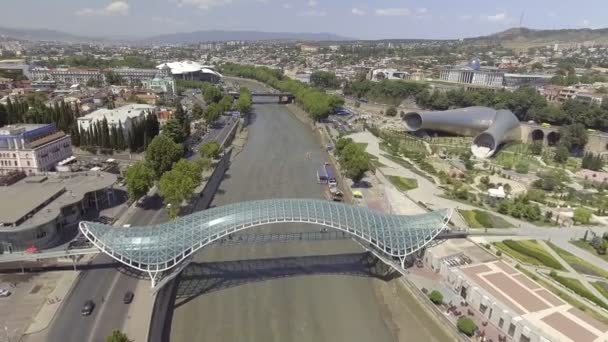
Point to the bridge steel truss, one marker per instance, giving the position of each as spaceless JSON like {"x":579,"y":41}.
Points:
{"x":158,"y":248}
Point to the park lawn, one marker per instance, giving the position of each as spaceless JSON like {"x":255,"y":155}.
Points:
{"x":580,"y":265}
{"x":602,"y":287}
{"x":529,"y":252}
{"x":482,"y":219}
{"x":362,"y":145}
{"x":577,"y":287}
{"x":587,"y":246}
{"x":402,"y":183}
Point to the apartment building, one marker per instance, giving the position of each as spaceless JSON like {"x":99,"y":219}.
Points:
{"x":82,"y":76}
{"x":32,"y":148}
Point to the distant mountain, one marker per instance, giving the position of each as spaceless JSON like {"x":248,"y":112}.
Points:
{"x":524,"y":37}
{"x":43,"y":35}
{"x":216,"y":36}
{"x":172,"y":38}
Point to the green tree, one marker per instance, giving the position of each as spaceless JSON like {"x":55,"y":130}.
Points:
{"x":112,"y":78}
{"x":177,"y":185}
{"x":561,"y":154}
{"x":536,"y":148}
{"x":197,"y":111}
{"x":356,"y":162}
{"x":582,"y":215}
{"x":324,"y":79}
{"x":522,"y":167}
{"x":162,"y":153}
{"x":573,"y":137}
{"x":174,"y":130}
{"x":139,"y":178}
{"x":245,"y":102}
{"x":212,"y":113}
{"x":466,"y":326}
{"x":210,"y":150}
{"x":436,"y":297}
{"x":211,"y":94}
{"x":118,"y":336}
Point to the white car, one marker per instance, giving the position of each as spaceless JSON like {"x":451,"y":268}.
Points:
{"x":4,"y":293}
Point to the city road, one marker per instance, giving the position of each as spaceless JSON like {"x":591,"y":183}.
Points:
{"x":108,"y":283}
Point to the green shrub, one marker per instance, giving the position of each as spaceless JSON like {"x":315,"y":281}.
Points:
{"x":578,"y":288}
{"x":498,"y":253}
{"x":466,"y":326}
{"x":436,"y":297}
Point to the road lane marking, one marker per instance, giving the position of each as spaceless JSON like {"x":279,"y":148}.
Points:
{"x":102,"y":309}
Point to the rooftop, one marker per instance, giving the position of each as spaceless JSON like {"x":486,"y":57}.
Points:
{"x":117,"y":114}
{"x":532,"y":302}
{"x":184,"y":67}
{"x":20,"y":128}
{"x":42,"y":197}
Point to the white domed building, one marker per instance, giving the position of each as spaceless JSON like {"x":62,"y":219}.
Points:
{"x":190,"y":70}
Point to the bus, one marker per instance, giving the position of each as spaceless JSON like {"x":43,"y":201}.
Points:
{"x":331,"y":174}
{"x":322,"y":175}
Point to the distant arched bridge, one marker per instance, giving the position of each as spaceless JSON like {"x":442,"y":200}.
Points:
{"x":282,"y":97}
{"x":160,"y":247}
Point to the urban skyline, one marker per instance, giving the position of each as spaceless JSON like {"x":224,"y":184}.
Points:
{"x":384,"y":19}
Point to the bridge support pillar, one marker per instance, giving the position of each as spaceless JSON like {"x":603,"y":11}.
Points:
{"x":153,"y":279}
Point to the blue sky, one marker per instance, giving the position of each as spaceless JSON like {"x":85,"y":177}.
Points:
{"x":365,"y":19}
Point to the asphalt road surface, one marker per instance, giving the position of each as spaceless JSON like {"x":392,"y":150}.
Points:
{"x":109,"y":282}
{"x":298,"y":302}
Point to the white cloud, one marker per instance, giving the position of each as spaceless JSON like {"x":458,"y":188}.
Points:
{"x":586,"y":22}
{"x":85,"y":11}
{"x":204,"y":4}
{"x":500,"y":17}
{"x":312,"y":3}
{"x":358,"y":11}
{"x":313,"y":13}
{"x":114,"y":8}
{"x":422,"y":10}
{"x":286,"y":6}
{"x":117,"y":7}
{"x":393,"y":11}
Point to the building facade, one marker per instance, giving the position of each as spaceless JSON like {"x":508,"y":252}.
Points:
{"x":70,"y":76}
{"x":32,"y":149}
{"x":465,"y":75}
{"x":42,"y":209}
{"x":164,"y":84}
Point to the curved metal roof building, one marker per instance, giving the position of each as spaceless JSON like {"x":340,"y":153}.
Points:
{"x":158,"y":248}
{"x":490,"y":127}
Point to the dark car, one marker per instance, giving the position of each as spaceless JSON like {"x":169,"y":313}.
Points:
{"x":88,"y":307}
{"x":128,"y":298}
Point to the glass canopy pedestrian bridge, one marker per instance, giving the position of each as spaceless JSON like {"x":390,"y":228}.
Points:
{"x":157,"y":248}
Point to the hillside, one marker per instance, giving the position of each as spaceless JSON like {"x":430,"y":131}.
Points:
{"x":172,"y":38}
{"x":215,"y":35}
{"x":525,"y":37}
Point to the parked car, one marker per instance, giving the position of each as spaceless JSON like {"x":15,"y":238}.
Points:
{"x":4,"y":293}
{"x":87,"y":308}
{"x":128,"y":297}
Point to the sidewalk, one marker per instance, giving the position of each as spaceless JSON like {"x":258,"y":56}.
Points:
{"x":49,"y":308}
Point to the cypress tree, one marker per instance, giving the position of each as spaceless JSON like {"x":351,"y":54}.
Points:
{"x":105,"y":133}
{"x":113,"y":138}
{"x":120,"y":137}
